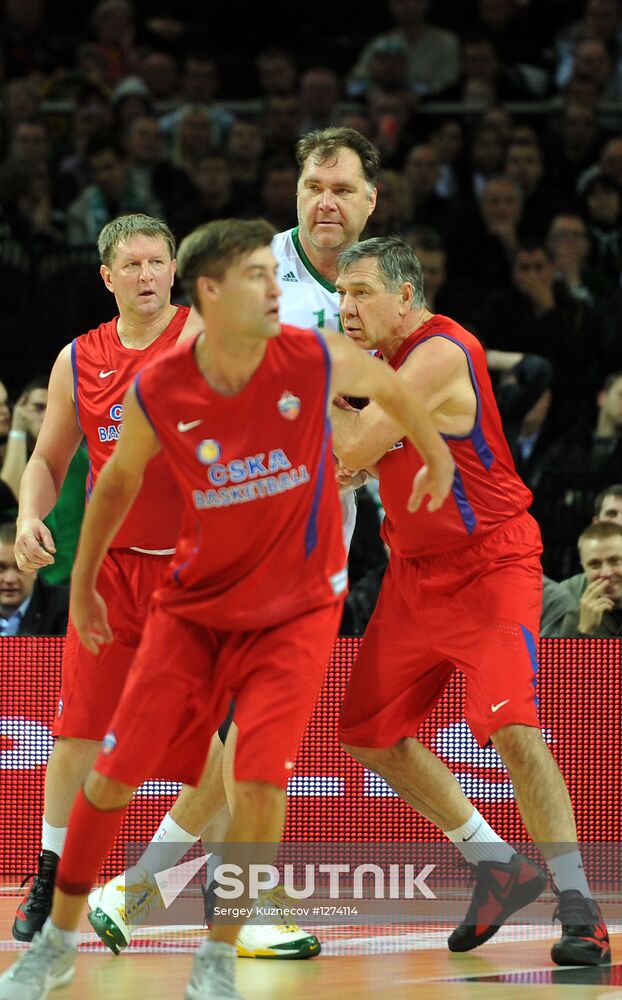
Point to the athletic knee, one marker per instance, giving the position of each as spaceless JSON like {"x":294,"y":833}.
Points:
{"x":257,"y":797}
{"x":105,"y":793}
{"x":373,"y":758}
{"x":515,"y":743}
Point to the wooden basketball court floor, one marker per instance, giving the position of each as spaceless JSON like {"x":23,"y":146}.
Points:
{"x":360,"y":963}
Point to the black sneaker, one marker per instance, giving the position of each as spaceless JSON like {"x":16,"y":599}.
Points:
{"x":501,"y":888}
{"x":584,"y":939}
{"x":36,"y":905}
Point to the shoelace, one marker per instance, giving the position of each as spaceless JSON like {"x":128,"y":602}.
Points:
{"x":573,"y":912}
{"x":279,"y":900}
{"x":140,"y":906}
{"x":36,"y":961}
{"x":42,"y":886}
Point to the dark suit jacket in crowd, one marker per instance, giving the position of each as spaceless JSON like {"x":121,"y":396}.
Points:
{"x":48,"y":610}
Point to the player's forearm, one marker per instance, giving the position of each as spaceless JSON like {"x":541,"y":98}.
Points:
{"x":39,"y":489}
{"x":401,"y":404}
{"x":107,"y":509}
{"x":348,"y":441}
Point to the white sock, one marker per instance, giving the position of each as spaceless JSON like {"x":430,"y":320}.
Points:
{"x":168,"y":845}
{"x":70,"y":937}
{"x":477,"y":841}
{"x":567,"y":873}
{"x":53,"y":837}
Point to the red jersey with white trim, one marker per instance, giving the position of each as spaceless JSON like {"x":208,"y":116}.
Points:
{"x":486,"y":490}
{"x":261,"y":539}
{"x":102,"y":371}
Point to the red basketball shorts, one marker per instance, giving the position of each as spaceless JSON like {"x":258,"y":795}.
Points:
{"x":91,"y":686}
{"x":183,"y":680}
{"x":478,"y":610}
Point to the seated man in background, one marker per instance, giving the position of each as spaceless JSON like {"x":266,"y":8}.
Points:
{"x":561,"y":597}
{"x":28,"y":605}
{"x":598,"y":613}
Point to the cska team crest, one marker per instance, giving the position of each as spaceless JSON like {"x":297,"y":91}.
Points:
{"x":289,"y":405}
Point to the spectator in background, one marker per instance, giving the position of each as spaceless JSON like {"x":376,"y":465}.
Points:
{"x":481,"y":251}
{"x":277,"y":71}
{"x":30,"y":144}
{"x":600,"y":21}
{"x":131,"y":98}
{"x":597,"y":611}
{"x":319,"y":95}
{"x":277,"y":191}
{"x":214,"y":199}
{"x":200,"y":83}
{"x":387,"y":70}
{"x":160,"y":72}
{"x":561,"y":597}
{"x":245,"y":151}
{"x":421,"y":174}
{"x":592,"y":444}
{"x":92,"y":116}
{"x":26,"y":420}
{"x":538,"y":315}
{"x":524,"y":163}
{"x":156,"y":181}
{"x":391,"y":128}
{"x":601,"y":208}
{"x":192,"y":138}
{"x":450,"y":298}
{"x":281,"y":121}
{"x":573,"y":145}
{"x":448,"y":139}
{"x":391,"y":205}
{"x":110,"y":193}
{"x":433,"y":53}
{"x":111,"y":54}
{"x":484,"y":79}
{"x":8,"y":501}
{"x":28,"y":605}
{"x":482,"y":160}
{"x":609,"y":165}
{"x":65,"y":518}
{"x":568,"y":243}
{"x":522,"y":387}
{"x":21,"y":101}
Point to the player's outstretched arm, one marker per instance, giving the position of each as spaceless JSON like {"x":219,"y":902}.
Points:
{"x":115,"y":491}
{"x":355,"y":373}
{"x":47,"y":467}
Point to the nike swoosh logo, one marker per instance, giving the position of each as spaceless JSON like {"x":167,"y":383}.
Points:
{"x":183,"y":427}
{"x":104,"y":374}
{"x":495,"y":708}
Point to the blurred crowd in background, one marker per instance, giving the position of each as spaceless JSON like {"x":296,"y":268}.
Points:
{"x":499,"y":123}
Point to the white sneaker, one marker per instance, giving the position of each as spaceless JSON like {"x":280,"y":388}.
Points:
{"x":282,"y":939}
{"x":213,"y":973}
{"x":117,"y":907}
{"x":48,"y":963}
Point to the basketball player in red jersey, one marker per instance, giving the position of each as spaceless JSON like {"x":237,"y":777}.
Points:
{"x":253,"y":596}
{"x":86,"y":392}
{"x":462,"y":589}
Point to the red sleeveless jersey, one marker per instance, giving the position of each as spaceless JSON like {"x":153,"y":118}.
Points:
{"x":486,"y":490}
{"x":261,"y":539}
{"x":102,"y":371}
